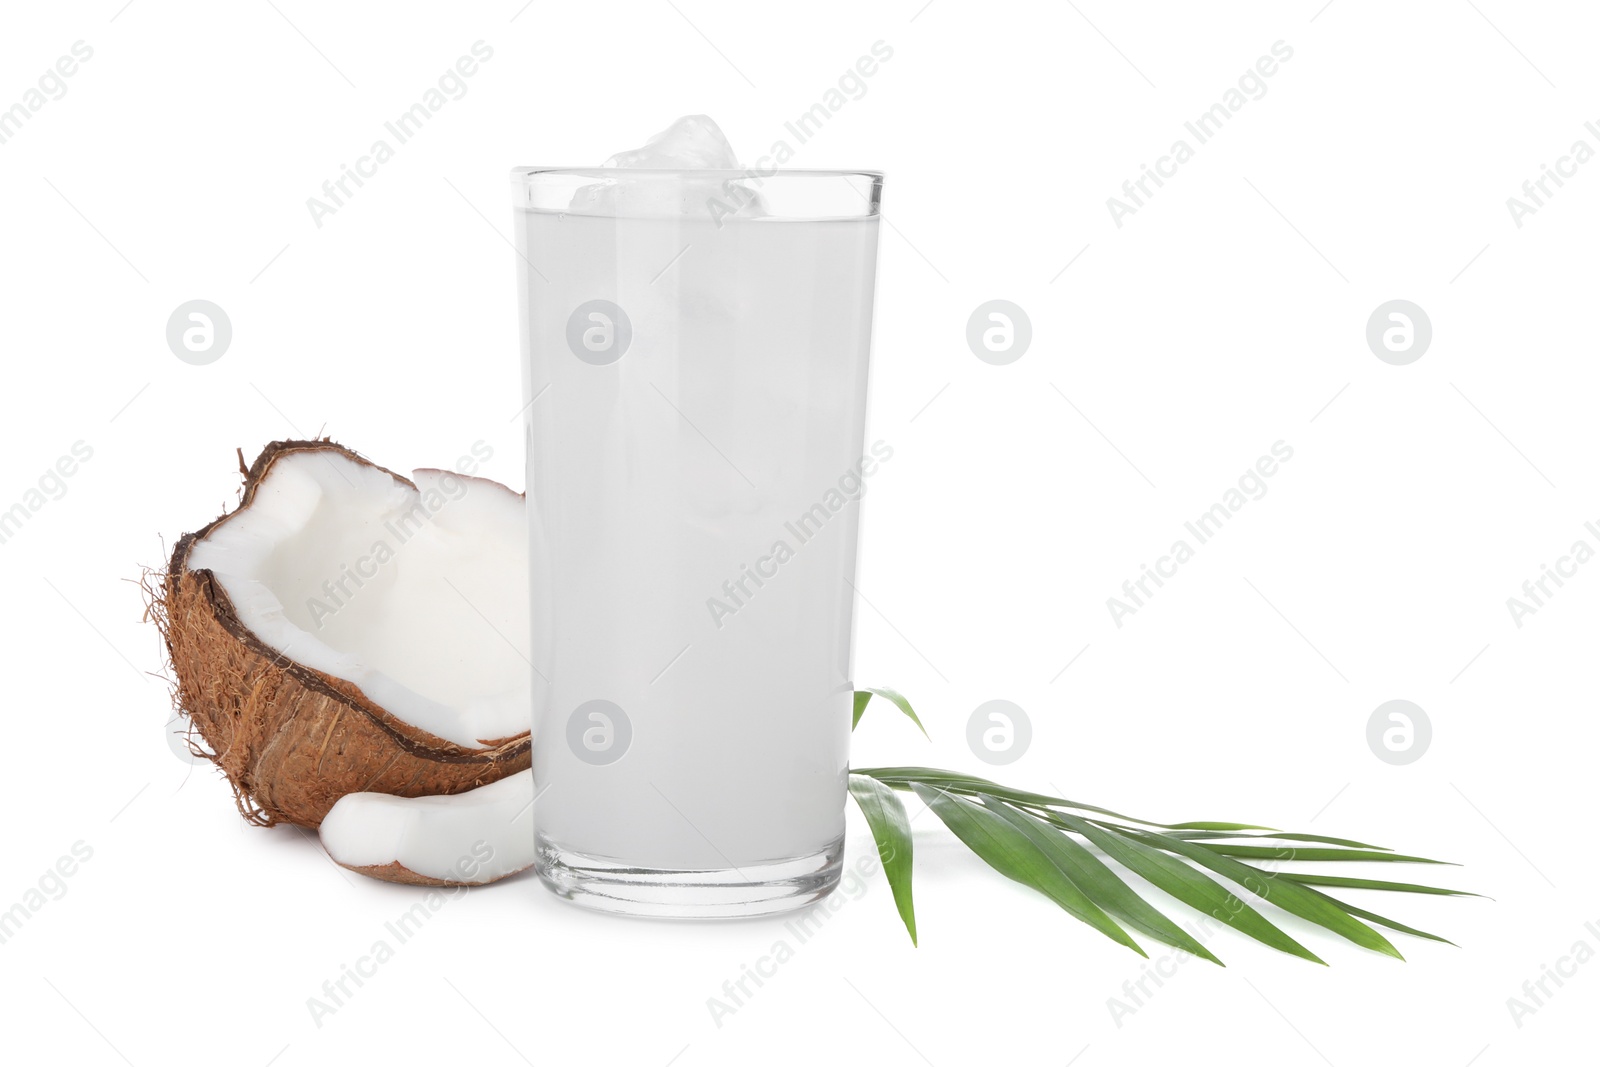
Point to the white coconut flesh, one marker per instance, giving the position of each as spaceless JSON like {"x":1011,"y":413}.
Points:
{"x":474,"y":837}
{"x":416,"y":596}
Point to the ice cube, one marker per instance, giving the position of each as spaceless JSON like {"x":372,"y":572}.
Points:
{"x":694,"y":142}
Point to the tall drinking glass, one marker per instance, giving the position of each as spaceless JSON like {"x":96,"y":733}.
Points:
{"x":695,"y":373}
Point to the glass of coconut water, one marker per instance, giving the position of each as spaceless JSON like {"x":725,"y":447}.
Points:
{"x":695,"y":345}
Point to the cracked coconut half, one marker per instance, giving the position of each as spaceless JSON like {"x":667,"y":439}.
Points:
{"x":347,"y":630}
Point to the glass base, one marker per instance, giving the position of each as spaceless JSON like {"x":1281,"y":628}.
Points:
{"x":734,"y":893}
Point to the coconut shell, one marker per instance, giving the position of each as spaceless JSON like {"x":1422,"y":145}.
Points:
{"x":402,"y":875}
{"x":290,"y":739}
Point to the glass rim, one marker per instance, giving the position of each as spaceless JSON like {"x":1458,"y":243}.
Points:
{"x":525,"y":174}
{"x":641,"y":192}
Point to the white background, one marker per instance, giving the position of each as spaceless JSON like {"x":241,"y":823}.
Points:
{"x":1227,"y":314}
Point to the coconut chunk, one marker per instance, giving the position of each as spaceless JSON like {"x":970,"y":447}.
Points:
{"x":471,"y":838}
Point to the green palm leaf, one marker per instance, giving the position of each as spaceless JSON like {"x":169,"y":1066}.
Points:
{"x":1098,"y":882}
{"x":1348,"y":855}
{"x":1219,"y":835}
{"x":864,"y":697}
{"x":1369,"y":883}
{"x":1015,"y":855}
{"x":1373,"y":917}
{"x":1291,"y":897}
{"x":886,"y":817}
{"x":1029,"y":837}
{"x":1183,"y":882}
{"x":966,"y":784}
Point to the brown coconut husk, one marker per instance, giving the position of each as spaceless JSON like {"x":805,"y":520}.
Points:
{"x":292,"y":740}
